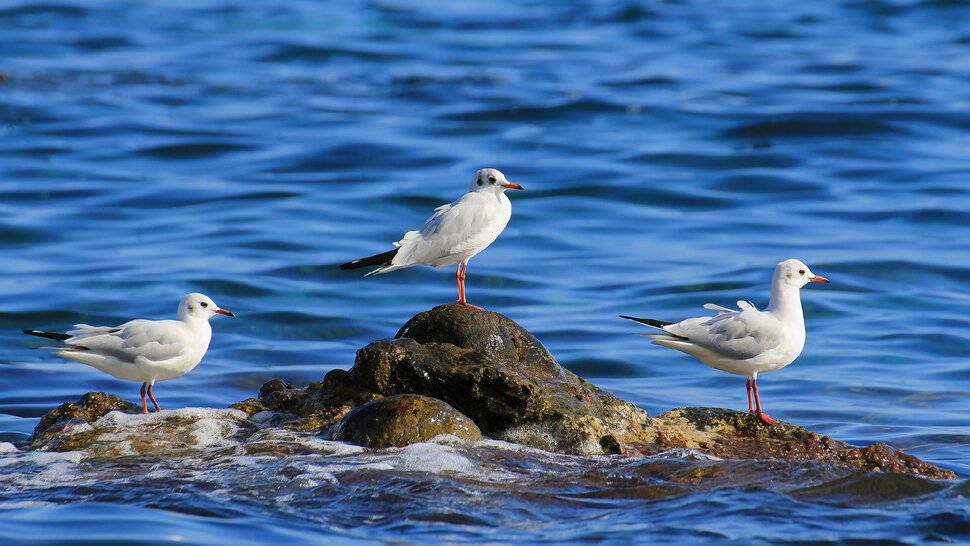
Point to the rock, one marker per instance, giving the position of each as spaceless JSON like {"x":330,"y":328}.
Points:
{"x":492,"y":370}
{"x":169,"y":433}
{"x":397,"y":421}
{"x":730,"y":434}
{"x":58,"y":429}
{"x":297,"y":408}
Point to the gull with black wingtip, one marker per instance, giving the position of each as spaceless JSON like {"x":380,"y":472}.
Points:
{"x":454,"y":234}
{"x":143,"y":350}
{"x":746,"y":341}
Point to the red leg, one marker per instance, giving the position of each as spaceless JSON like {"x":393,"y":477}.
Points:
{"x":144,"y":403}
{"x":461,"y":287}
{"x":765,"y":418}
{"x":152,"y":396}
{"x":747,"y":384}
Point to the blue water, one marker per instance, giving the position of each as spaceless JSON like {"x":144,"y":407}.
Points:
{"x":672,"y":153}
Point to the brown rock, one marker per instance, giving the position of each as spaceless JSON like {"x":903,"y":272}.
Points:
{"x":492,"y":370}
{"x":53,"y":432}
{"x":732,"y":434}
{"x":402,"y":420}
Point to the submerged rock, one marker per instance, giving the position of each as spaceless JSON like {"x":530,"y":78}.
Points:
{"x":402,"y":420}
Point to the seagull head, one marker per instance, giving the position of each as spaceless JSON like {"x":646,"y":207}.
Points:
{"x":197,"y":305}
{"x":492,"y":180}
{"x":795,"y":273}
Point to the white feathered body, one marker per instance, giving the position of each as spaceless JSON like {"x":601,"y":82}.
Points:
{"x":744,"y":341}
{"x":141,"y":350}
{"x":455,"y":233}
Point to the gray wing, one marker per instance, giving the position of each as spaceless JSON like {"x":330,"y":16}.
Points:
{"x":739,"y":335}
{"x":156,"y":341}
{"x":433,"y":224}
{"x":465,"y":225}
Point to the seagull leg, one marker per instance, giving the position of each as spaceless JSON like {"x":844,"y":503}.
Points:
{"x":144,"y":403}
{"x":461,"y":285}
{"x":460,"y":275}
{"x":750,"y":403}
{"x":765,"y":418}
{"x":152,"y":396}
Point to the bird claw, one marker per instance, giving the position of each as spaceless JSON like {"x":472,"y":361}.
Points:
{"x":466,"y":304}
{"x":766,"y":419}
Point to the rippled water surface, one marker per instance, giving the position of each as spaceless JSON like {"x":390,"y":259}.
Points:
{"x":672,"y":153}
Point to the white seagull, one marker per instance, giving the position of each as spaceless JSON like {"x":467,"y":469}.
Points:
{"x":747,"y":341}
{"x":143,"y":350}
{"x":455,"y":232}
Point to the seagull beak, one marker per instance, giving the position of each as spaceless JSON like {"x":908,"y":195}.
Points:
{"x":228,"y":313}
{"x":512,"y":186}
{"x":818,"y":278}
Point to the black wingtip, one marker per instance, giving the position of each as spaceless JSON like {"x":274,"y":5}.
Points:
{"x":377,"y":259}
{"x":56,"y":336}
{"x":648,"y":321}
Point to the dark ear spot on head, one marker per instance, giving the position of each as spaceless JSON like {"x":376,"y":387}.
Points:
{"x":479,"y":181}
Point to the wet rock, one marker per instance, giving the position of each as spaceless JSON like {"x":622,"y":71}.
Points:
{"x":169,"y":433}
{"x":492,"y":370}
{"x":397,"y":421}
{"x":61,"y":428}
{"x":732,"y":434}
{"x":295,"y":408}
{"x":870,"y":487}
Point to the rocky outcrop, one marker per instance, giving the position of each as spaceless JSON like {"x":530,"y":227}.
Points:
{"x":402,"y":420}
{"x":467,"y":373}
{"x":730,"y":434}
{"x":498,"y":374}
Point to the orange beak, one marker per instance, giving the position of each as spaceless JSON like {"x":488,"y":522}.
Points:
{"x":818,"y":278}
{"x":228,"y":313}
{"x":512,"y":186}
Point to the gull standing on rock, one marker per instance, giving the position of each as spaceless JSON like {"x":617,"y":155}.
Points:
{"x":143,"y":350}
{"x":455,"y":232}
{"x":747,"y":341}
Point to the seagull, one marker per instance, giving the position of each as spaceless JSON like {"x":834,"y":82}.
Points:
{"x":455,"y":232}
{"x":746,"y":341}
{"x":143,"y":350}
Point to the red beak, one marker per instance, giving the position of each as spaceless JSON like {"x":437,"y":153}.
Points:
{"x":512,"y":186}
{"x":818,"y":278}
{"x":228,"y":313}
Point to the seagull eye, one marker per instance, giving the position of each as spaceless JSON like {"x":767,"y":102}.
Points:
{"x":801,"y":271}
{"x":204,"y":305}
{"x":491,"y":179}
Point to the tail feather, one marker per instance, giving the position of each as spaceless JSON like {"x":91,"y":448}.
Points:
{"x":56,"y":336}
{"x":377,"y":259}
{"x":659,"y":324}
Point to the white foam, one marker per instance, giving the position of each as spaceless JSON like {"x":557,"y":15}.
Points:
{"x":197,"y":427}
{"x":24,"y":504}
{"x":7,"y":447}
{"x":41,"y":470}
{"x":686,"y":453}
{"x":435,"y":458}
{"x":122,"y":420}
{"x":312,"y":442}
